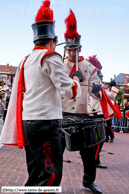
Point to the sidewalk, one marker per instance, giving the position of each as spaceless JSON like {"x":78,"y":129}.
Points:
{"x":113,"y":180}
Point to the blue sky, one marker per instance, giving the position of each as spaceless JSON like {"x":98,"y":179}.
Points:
{"x":102,"y":24}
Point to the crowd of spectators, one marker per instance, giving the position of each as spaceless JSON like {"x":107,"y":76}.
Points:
{"x":4,"y":101}
{"x":122,"y":124}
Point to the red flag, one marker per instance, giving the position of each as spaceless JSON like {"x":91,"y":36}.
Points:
{"x":127,"y":114}
{"x":108,"y":108}
{"x":118,"y":114}
{"x":21,"y":88}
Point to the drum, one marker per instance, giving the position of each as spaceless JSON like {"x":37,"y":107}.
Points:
{"x":94,"y":132}
{"x":79,"y":131}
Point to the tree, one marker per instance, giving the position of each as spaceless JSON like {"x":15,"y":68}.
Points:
{"x":119,"y":96}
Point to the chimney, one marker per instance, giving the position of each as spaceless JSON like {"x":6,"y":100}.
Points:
{"x":7,"y":68}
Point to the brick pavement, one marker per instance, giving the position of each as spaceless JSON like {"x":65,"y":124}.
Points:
{"x":113,"y":180}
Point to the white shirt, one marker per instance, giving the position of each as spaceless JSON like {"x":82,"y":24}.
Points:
{"x":41,"y":98}
{"x":80,"y":105}
{"x":95,"y":104}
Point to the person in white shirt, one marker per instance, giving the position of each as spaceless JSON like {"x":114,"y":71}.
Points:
{"x":80,"y":106}
{"x":96,"y":106}
{"x":41,"y":76}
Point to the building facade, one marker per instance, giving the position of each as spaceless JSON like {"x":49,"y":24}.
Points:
{"x":7,"y":73}
{"x":122,"y":78}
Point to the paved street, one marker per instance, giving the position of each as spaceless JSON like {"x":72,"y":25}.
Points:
{"x":113,"y":180}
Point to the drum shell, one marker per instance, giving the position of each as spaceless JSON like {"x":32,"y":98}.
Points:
{"x":94,"y":133}
{"x":81,"y":132}
{"x":74,"y":138}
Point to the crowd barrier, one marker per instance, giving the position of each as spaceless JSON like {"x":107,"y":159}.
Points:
{"x":1,"y":111}
{"x":120,"y":124}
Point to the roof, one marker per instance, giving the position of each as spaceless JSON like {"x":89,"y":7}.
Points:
{"x":126,"y":76}
{"x":11,"y":69}
{"x":126,"y":90}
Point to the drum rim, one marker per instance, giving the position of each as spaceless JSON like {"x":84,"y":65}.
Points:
{"x":97,"y":143}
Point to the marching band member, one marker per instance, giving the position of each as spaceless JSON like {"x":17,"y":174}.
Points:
{"x":96,"y":105}
{"x":89,"y":73}
{"x":112,"y":91}
{"x":32,"y":119}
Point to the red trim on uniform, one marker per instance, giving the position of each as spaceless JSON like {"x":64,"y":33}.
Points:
{"x":74,"y":90}
{"x":97,"y":151}
{"x":111,"y":128}
{"x":20,"y":91}
{"x":105,"y":101}
{"x":81,"y":58}
{"x":95,"y":70}
{"x":114,"y":91}
{"x":51,"y":180}
{"x":74,"y":69}
{"x":49,"y":52}
{"x":39,"y":47}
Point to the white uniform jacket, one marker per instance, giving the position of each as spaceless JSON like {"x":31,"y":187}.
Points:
{"x":90,"y":76}
{"x":42,"y":99}
{"x":43,"y":81}
{"x":95,"y":104}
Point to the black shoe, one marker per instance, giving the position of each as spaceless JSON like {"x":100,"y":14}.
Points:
{"x":112,"y":139}
{"x":107,"y":139}
{"x":100,"y":165}
{"x":94,"y":188}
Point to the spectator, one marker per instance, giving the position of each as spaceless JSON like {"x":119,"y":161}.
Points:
{"x":121,"y":106}
{"x":7,"y":98}
{"x":121,"y":120}
{"x":128,"y":104}
{"x":125,"y":110}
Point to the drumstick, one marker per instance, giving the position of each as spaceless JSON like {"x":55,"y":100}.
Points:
{"x":76,"y":60}
{"x":86,"y":85}
{"x":90,"y":85}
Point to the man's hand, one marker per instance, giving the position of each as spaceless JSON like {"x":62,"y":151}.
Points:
{"x":97,"y":94}
{"x":96,"y":88}
{"x":76,"y":78}
{"x":77,"y":74}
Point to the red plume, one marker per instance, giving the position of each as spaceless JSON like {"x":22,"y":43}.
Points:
{"x":94,"y":61}
{"x":71,"y":26}
{"x":44,"y":13}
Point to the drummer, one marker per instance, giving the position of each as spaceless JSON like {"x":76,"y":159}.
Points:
{"x":95,"y":105}
{"x":72,"y":63}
